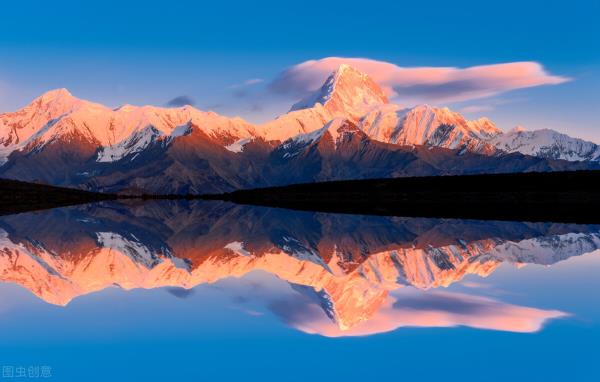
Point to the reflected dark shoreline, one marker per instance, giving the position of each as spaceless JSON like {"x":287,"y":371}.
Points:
{"x":17,"y":197}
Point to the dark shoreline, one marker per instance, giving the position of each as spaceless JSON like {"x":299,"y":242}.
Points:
{"x":551,"y":196}
{"x":17,"y":196}
{"x":557,"y":197}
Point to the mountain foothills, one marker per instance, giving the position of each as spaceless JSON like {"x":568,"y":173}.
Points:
{"x":347,"y":129}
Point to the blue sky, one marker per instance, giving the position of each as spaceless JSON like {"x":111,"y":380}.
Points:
{"x":151,"y":52}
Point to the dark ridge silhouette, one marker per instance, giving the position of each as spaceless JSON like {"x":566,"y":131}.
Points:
{"x":17,"y":196}
{"x":551,"y":196}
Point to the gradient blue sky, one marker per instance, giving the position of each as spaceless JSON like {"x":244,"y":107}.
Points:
{"x":144,"y":52}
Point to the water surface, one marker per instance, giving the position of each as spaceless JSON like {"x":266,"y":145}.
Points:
{"x":169,"y":290}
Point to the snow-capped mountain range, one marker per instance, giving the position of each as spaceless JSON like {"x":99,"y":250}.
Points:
{"x":124,"y":131}
{"x":63,"y":140}
{"x":546,"y":143}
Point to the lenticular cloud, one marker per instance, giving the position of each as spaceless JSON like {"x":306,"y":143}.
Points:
{"x":422,"y":84}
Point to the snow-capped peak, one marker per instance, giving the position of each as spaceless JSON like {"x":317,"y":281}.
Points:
{"x":55,"y":94}
{"x":347,"y":92}
{"x":57,"y":102}
{"x":18,"y":127}
{"x":54,"y":101}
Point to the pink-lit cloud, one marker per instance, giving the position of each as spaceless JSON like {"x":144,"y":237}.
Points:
{"x":428,"y":309}
{"x":476,"y":108}
{"x":421,"y":84}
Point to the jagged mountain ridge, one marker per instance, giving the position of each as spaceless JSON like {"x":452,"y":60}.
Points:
{"x":546,"y":143}
{"x":429,"y":126}
{"x":62,"y":140}
{"x":117,"y":133}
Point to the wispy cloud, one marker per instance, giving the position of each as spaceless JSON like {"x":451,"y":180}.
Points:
{"x":215,"y":106}
{"x":239,"y":93}
{"x":182,"y":100}
{"x":476,"y":108}
{"x":490,"y":104}
{"x":248,"y":82}
{"x":180,"y":292}
{"x":422,"y":84}
{"x":256,"y":108}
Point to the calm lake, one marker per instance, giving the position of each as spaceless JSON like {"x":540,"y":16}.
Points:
{"x":213,"y":291}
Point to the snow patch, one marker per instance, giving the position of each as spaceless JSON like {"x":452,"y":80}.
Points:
{"x":135,"y":144}
{"x":238,"y":146}
{"x":181,"y":130}
{"x":238,"y":248}
{"x":135,"y":250}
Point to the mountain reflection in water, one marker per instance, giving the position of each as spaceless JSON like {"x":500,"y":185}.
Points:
{"x":352,"y":275}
